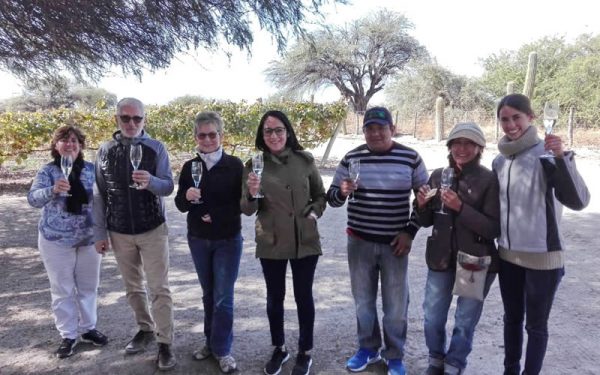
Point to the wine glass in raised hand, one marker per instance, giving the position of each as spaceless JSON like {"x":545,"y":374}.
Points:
{"x":66,"y":165}
{"x":257,"y":167}
{"x":446,"y":180}
{"x":353,"y":175}
{"x":197,"y":176}
{"x":135,"y":156}
{"x":551,"y":109}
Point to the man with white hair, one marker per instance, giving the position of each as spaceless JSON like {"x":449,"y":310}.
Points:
{"x":129,"y":209}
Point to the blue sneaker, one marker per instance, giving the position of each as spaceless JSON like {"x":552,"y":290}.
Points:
{"x":395,"y":367}
{"x":362,"y":359}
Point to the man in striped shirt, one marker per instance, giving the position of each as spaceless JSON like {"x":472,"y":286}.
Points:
{"x":380,"y":233}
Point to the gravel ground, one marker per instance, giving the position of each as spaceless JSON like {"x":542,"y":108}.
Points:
{"x":28,"y":338}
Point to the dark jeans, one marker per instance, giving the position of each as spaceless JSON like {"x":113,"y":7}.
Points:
{"x":217,"y":263}
{"x":303,"y":273}
{"x":526,"y":293}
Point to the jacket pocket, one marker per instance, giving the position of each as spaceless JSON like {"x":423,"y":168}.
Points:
{"x":309,"y":234}
{"x":264,"y":233}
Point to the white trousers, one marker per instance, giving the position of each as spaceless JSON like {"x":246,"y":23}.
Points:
{"x":74,"y":274}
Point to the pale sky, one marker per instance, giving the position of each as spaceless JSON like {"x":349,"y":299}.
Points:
{"x":457,"y":33}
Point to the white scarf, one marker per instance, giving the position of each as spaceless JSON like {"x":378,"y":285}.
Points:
{"x":211,"y":158}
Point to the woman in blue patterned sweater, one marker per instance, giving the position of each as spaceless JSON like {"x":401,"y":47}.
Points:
{"x":65,"y":240}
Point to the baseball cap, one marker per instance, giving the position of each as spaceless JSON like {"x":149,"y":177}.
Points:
{"x":378,"y":115}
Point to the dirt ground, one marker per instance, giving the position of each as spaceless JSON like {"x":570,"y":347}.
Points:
{"x":28,"y":338}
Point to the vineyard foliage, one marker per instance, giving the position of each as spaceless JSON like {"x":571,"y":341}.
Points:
{"x":22,"y":133}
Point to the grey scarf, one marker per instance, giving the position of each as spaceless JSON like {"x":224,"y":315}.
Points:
{"x":509,"y":147}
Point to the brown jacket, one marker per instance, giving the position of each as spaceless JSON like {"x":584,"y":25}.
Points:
{"x":473,"y":229}
{"x":292,"y":187}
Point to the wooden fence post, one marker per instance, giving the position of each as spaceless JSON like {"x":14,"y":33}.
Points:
{"x":570,"y":125}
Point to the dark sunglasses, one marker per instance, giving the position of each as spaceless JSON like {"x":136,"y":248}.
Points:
{"x":211,"y":135}
{"x":126,"y":118}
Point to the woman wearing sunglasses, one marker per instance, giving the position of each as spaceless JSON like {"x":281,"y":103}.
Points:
{"x":468,"y":224}
{"x":214,"y":232}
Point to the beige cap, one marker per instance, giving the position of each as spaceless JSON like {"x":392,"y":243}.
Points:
{"x":468,"y":130}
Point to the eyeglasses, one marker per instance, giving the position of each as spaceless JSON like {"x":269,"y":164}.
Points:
{"x":126,"y":118}
{"x":211,"y":135}
{"x":278,"y":131}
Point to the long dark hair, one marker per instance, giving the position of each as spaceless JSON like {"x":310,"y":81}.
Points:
{"x":291,"y":142}
{"x":519,"y":102}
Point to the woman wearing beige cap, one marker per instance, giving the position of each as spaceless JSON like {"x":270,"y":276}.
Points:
{"x":460,"y":254}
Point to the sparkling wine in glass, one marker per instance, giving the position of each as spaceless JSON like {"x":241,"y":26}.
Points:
{"x":353,"y":174}
{"x":66,"y":165}
{"x":257,"y":167}
{"x":197,"y":176}
{"x":551,"y":110}
{"x":135,"y":156}
{"x":445,"y":184}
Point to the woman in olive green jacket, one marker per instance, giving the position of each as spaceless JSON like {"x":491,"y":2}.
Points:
{"x":286,"y":230}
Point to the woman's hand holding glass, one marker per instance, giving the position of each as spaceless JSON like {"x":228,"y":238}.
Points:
{"x":61,"y":187}
{"x":253,"y":184}
{"x":451,"y":200}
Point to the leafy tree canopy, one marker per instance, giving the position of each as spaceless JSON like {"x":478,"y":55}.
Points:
{"x":57,"y":92}
{"x":356,"y":58}
{"x":87,"y":38}
{"x":569,"y":72}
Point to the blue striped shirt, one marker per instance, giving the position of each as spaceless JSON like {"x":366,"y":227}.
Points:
{"x":385,"y":183}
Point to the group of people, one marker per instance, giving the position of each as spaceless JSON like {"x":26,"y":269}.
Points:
{"x":479,"y":229}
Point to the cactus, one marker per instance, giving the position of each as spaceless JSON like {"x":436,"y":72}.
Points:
{"x":439,"y":118}
{"x":530,"y":76}
{"x":510,"y":87}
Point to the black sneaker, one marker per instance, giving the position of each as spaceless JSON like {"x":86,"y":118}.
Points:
{"x":66,"y":348}
{"x":279,"y":357}
{"x":95,"y":337}
{"x":139,"y":342}
{"x":303,"y":363}
{"x":165,"y":359}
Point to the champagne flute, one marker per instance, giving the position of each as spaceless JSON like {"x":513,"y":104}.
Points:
{"x":445,"y":184}
{"x":257,"y":167}
{"x":353,"y":174}
{"x":551,"y":110}
{"x":135,"y":156}
{"x":196,"y":176}
{"x":66,"y":165}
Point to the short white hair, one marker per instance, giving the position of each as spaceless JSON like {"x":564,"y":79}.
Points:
{"x":132,"y":102}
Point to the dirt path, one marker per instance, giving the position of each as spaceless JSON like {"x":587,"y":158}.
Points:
{"x":28,"y":337}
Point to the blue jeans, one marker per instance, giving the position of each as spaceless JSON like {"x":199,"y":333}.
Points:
{"x":438,"y":297}
{"x":217,"y":263}
{"x":526,"y":293}
{"x":303,"y":274}
{"x":368,"y":261}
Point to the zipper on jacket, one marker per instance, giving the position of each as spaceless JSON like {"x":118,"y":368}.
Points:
{"x":129,"y":192}
{"x":512,"y":159}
